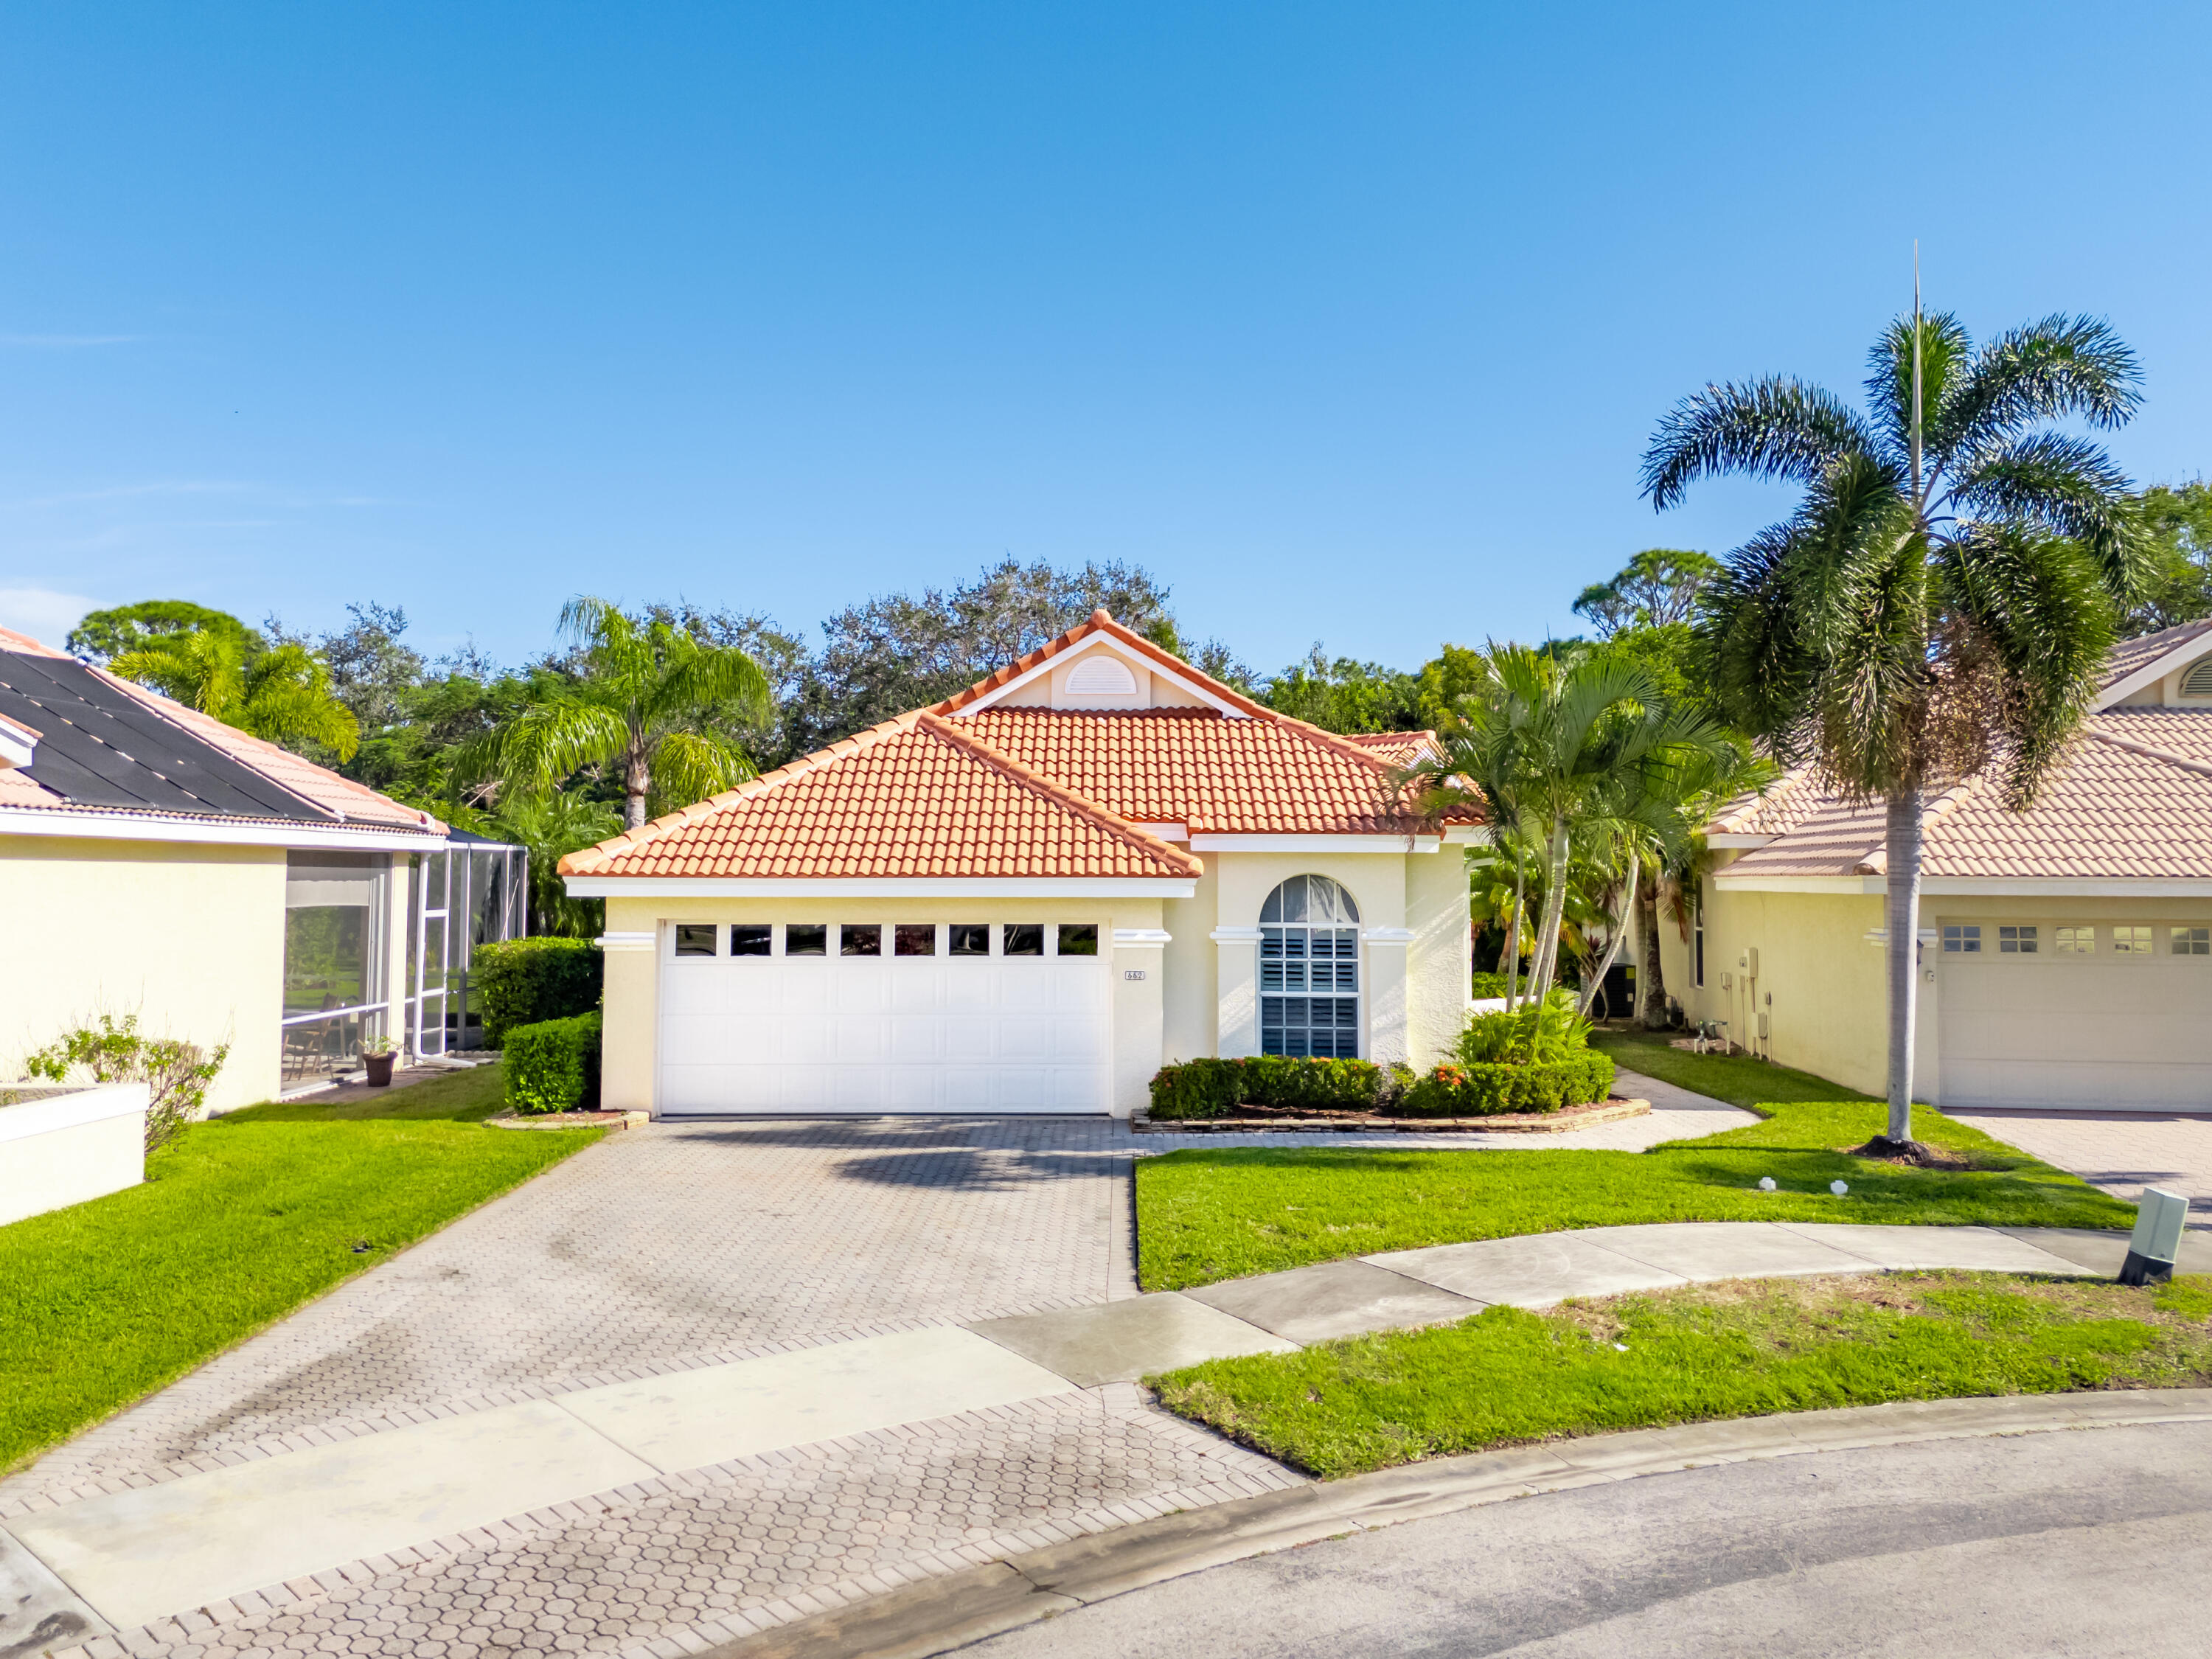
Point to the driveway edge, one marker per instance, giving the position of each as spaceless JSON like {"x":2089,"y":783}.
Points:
{"x":940,"y":1615}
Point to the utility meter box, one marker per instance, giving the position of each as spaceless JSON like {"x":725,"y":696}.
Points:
{"x":2160,"y":1218}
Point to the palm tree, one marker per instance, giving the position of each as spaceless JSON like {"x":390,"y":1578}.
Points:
{"x":551,"y":827}
{"x":643,"y":697}
{"x":282,"y":695}
{"x":1944,"y":596}
{"x":1573,"y":746}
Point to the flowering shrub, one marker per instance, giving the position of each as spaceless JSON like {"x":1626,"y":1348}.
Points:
{"x":176,"y":1073}
{"x":1490,"y":1089}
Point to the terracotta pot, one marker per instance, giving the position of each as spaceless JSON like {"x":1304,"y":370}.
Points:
{"x":379,"y":1067}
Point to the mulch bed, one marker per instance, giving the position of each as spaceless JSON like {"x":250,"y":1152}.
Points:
{"x":568,"y":1121}
{"x":1260,"y":1119}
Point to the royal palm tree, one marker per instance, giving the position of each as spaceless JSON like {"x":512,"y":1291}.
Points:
{"x":1944,"y":597}
{"x":282,"y":695}
{"x":644,"y":698}
{"x":1575,"y":745}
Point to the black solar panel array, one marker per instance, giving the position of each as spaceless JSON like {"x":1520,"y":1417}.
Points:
{"x":100,"y":746}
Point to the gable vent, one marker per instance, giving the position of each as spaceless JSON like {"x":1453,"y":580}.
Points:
{"x":2197,"y":681}
{"x":1103,"y":676}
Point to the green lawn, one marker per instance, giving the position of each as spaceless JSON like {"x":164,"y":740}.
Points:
{"x":1737,"y":1079}
{"x":240,"y":1220}
{"x":1210,"y":1214}
{"x":1509,"y":1377}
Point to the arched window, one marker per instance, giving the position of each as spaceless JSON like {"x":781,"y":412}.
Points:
{"x":1310,"y":970}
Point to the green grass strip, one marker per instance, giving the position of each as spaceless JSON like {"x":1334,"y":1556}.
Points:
{"x":240,"y":1220}
{"x":1509,"y":1377}
{"x":1739,"y":1079}
{"x":1211,"y":1214}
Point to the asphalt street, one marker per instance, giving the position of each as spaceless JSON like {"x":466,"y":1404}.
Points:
{"x":2071,"y":1543}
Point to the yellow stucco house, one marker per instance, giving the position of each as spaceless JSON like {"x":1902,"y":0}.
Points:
{"x":1027,"y":899}
{"x":157,"y":863}
{"x":2065,"y":953}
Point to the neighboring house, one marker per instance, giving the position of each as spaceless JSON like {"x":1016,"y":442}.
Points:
{"x":2065,"y":952}
{"x":1027,"y":899}
{"x":156,"y":862}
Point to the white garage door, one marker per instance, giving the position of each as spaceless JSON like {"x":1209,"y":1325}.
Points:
{"x":2096,"y":1018}
{"x":865,"y":1018}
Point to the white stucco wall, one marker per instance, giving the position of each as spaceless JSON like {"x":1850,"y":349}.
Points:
{"x":1199,"y":994}
{"x":67,"y":1149}
{"x":190,"y":938}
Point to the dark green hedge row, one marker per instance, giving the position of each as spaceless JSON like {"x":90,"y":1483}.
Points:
{"x":520,"y":981}
{"x":1488,"y":1090}
{"x":554,"y":1065}
{"x":1214,"y":1088}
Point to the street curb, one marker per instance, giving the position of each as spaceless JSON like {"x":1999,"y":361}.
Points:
{"x":939,"y":1614}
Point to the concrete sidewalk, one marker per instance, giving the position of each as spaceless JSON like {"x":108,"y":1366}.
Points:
{"x":169,"y":1562}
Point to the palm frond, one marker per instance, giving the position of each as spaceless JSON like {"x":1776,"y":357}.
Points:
{"x":689,"y":766}
{"x":1945,"y":350}
{"x":2054,"y":369}
{"x":1775,"y":427}
{"x":2066,"y":487}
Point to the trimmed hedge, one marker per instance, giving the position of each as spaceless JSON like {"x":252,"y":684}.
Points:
{"x":554,"y":1065}
{"x":1493,"y":1089}
{"x":1215,"y":1088}
{"x":522,"y":981}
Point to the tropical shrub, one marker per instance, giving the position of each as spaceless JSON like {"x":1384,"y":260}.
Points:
{"x":523,"y":981}
{"x":1549,"y":1030}
{"x":176,"y":1073}
{"x":1214,"y":1088}
{"x":1490,"y":1089}
{"x":554,"y":1065}
{"x":1487,"y":986}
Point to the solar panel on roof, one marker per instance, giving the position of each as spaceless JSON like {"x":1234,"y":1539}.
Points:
{"x":100,"y":747}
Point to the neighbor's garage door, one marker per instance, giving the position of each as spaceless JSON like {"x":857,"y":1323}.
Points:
{"x":882,"y":1017}
{"x":2096,"y":1018}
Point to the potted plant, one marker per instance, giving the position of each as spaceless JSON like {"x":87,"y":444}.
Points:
{"x":377,"y":1054}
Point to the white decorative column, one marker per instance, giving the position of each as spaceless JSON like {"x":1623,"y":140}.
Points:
{"x":1385,"y":967}
{"x":1237,"y":1008}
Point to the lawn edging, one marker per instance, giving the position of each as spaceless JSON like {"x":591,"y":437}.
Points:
{"x":952,"y":1610}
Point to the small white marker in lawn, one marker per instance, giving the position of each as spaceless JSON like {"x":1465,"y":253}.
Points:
{"x":1766,"y":1183}
{"x":1838,"y":1188}
{"x":1623,"y":1346}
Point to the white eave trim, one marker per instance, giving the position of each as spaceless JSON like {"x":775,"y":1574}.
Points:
{"x":2152,"y":671}
{"x":880,"y":887}
{"x":1385,"y":843}
{"x":130,"y":826}
{"x":17,"y":746}
{"x":1984,"y":886}
{"x":1468,"y":834}
{"x":625,"y":941}
{"x":1098,"y":642}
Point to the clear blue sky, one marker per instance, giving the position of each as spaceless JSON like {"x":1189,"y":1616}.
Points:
{"x":1348,"y":321}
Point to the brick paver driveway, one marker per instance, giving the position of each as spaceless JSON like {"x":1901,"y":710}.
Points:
{"x":664,"y":1248}
{"x":2121,"y":1153}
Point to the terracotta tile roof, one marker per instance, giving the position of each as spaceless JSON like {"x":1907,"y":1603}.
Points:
{"x":1398,"y":748}
{"x":1787,"y":799}
{"x":2129,"y":655}
{"x":918,"y":796}
{"x":1194,"y":766}
{"x":2133,"y":799}
{"x":1100,"y":622}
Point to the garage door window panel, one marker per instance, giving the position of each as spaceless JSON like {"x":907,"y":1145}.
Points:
{"x":1962,"y":939}
{"x":806,"y":938}
{"x":865,"y":940}
{"x":751,"y":939}
{"x":968,"y":938}
{"x":1079,"y":939}
{"x":1023,"y":939}
{"x":2017,"y":941}
{"x":910,"y":938}
{"x":2193,"y":941}
{"x":696,"y":938}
